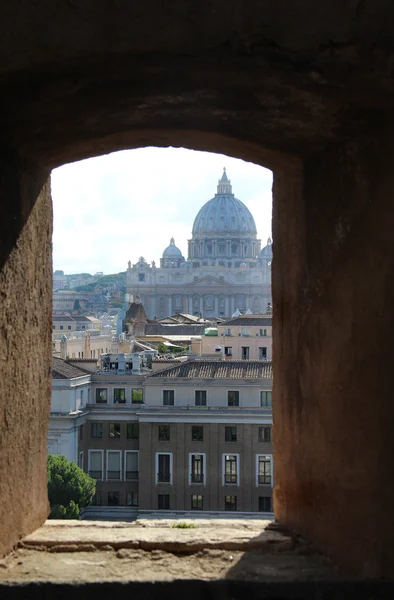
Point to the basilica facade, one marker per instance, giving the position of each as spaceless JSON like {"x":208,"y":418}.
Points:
{"x":225,"y":270}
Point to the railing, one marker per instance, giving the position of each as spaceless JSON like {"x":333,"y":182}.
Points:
{"x":197,"y":478}
{"x":264,"y":479}
{"x":96,"y":474}
{"x":230,"y":478}
{"x":132,"y":475}
{"x":113,"y":474}
{"x":163,"y":477}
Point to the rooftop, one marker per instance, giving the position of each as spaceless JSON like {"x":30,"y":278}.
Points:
{"x":61,"y":369}
{"x":219,"y":369}
{"x":250,"y":320}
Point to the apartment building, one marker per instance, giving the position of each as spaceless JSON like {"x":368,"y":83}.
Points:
{"x":194,"y":436}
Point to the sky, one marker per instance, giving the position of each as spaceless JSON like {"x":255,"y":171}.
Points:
{"x":120,"y":206}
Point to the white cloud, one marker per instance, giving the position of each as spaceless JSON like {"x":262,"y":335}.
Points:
{"x":117,"y":207}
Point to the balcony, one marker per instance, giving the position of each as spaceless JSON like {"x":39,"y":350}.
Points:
{"x":264,"y":479}
{"x":197,"y":478}
{"x":231,"y":478}
{"x":132,"y":475}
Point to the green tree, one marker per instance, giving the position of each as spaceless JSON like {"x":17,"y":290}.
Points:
{"x":77,"y":305}
{"x":69,"y":488}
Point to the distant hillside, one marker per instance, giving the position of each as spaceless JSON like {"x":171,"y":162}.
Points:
{"x":116,"y":282}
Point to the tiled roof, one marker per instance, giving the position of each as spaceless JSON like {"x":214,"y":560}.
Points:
{"x":157,"y":329}
{"x":63,"y":318}
{"x":219,"y":369}
{"x":251,"y":321}
{"x":62,"y":370}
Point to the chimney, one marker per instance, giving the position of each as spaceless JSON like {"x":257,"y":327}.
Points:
{"x":136,"y":360}
{"x":63,"y":347}
{"x":121,"y":364}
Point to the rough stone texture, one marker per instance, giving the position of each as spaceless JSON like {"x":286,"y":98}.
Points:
{"x":25,"y":309}
{"x":333,"y":414}
{"x":305,"y":88}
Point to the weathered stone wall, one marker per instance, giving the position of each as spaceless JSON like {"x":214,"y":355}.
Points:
{"x":334,"y":296}
{"x":25,"y":309}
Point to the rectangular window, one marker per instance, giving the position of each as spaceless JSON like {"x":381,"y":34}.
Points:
{"x":113,"y":498}
{"x":265,"y":434}
{"x":197,"y":433}
{"x":132,"y":499}
{"x":163,"y":433}
{"x":196,"y":502}
{"x":200,"y":397}
{"x":232,"y":398}
{"x":96,"y":464}
{"x":141,"y":276}
{"x":264,"y":469}
{"x":69,"y":327}
{"x":114,"y":430}
{"x":228,"y":351}
{"x":163,"y":501}
{"x":230,"y":503}
{"x":168,"y":397}
{"x":131,"y":465}
{"x":81,"y":432}
{"x":245,"y":332}
{"x":133,"y":431}
{"x":96,"y":500}
{"x":113,"y":464}
{"x":263,"y":332}
{"x":228,"y":332}
{"x":266,"y":399}
{"x":230,"y":434}
{"x":96,"y":430}
{"x":245,"y":352}
{"x":263,"y":353}
{"x":197,"y":468}
{"x":101,"y":396}
{"x":80,"y":460}
{"x":137,"y":396}
{"x":164,"y":464}
{"x":119,"y":396}
{"x":61,"y":327}
{"x":265,"y":504}
{"x":231,"y":469}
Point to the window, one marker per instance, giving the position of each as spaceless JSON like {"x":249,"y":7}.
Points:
{"x":265,"y":434}
{"x":196,"y":503}
{"x":80,"y":460}
{"x":96,"y":500}
{"x":132,"y":499}
{"x":133,"y":431}
{"x":163,"y":501}
{"x":200,"y":397}
{"x":230,"y":503}
{"x":231,"y":469}
{"x":131,"y":465}
{"x":96,"y":430}
{"x":232,"y":398}
{"x":114,"y":430}
{"x":81,"y":398}
{"x":164,"y":468}
{"x":228,"y":351}
{"x":263,"y":332}
{"x":263,"y":353}
{"x":245,"y":352}
{"x":113,"y":464}
{"x":113,"y":498}
{"x":119,"y":396}
{"x":96,"y":464}
{"x":228,"y":332}
{"x":81,"y":432}
{"x":245,"y":332}
{"x":69,"y":327}
{"x":197,"y":433}
{"x":61,"y":327}
{"x":101,"y":396}
{"x":266,"y":399}
{"x":264,"y":465}
{"x":168,"y":397}
{"x":137,"y":396}
{"x":265,"y":504}
{"x":196,"y":473}
{"x":141,"y":276}
{"x":230,"y":434}
{"x":163,"y":433}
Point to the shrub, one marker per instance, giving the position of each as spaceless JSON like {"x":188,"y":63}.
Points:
{"x":69,"y":488}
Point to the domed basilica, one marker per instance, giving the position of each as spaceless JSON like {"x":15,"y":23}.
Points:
{"x":226,"y":268}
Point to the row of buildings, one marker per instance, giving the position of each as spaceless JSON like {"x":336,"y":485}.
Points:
{"x":189,"y":435}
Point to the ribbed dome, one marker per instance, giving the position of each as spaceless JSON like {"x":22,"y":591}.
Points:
{"x":224,"y":213}
{"x":172,"y":251}
{"x":266,"y":252}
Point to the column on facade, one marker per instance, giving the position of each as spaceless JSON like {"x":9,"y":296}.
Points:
{"x":216,"y":306}
{"x":214,"y":249}
{"x":228,"y":248}
{"x":227,"y":306}
{"x":201,"y":305}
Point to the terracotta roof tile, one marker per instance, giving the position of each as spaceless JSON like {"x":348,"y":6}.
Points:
{"x":219,"y":369}
{"x":61,"y":369}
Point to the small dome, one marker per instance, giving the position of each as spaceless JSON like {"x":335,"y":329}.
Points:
{"x":172,"y":251}
{"x":266,"y":252}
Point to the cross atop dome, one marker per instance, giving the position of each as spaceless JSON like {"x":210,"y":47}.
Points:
{"x":172,"y":242}
{"x":224,"y":184}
